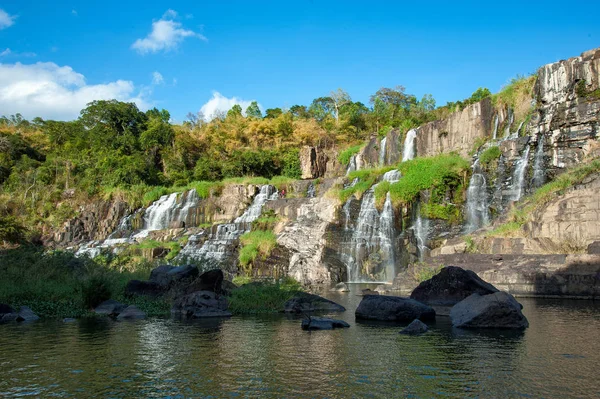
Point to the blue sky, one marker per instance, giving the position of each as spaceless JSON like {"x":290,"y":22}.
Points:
{"x":56,"y":56}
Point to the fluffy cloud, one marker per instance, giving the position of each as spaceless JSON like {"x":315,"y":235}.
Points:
{"x":9,"y":52}
{"x":6,"y":20}
{"x":157,"y":78}
{"x":54,"y":92}
{"x":5,"y":52}
{"x":219,"y":104}
{"x":166,"y":35}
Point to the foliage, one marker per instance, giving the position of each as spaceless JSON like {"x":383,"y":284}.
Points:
{"x":517,"y":90}
{"x":266,"y":221}
{"x":471,"y":245}
{"x":255,"y":298}
{"x":490,"y":154}
{"x":345,"y":155}
{"x":420,"y":271}
{"x":11,"y":231}
{"x":255,"y":243}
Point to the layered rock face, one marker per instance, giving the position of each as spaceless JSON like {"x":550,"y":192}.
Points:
{"x":313,"y":162}
{"x":458,"y":132}
{"x":569,"y":100}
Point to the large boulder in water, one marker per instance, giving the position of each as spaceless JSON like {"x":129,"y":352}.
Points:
{"x":497,"y":310}
{"x":211,"y":280}
{"x":5,"y":309}
{"x":450,"y":286}
{"x":392,"y":308}
{"x":415,"y":328}
{"x":321,"y":323}
{"x":110,"y":308}
{"x":146,"y":288}
{"x":201,"y":304}
{"x":131,"y":313}
{"x":166,"y":275}
{"x":304,"y":302}
{"x":26,"y":314}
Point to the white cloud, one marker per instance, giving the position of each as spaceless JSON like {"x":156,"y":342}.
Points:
{"x":74,"y":12}
{"x":219,"y":103}
{"x":6,"y":20}
{"x":5,"y":52}
{"x":166,"y":35}
{"x":157,"y":78}
{"x":54,"y":92}
{"x":9,"y":52}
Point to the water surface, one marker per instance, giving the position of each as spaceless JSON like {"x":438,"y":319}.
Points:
{"x":271,"y":357}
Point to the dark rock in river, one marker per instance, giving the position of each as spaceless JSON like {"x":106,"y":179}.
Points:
{"x":340,"y":287}
{"x":166,"y":275}
{"x":211,"y":280}
{"x":130,"y":313}
{"x":26,"y":314}
{"x":498,"y":310}
{"x":147,"y":288}
{"x":305,"y":302}
{"x":110,"y":308}
{"x":392,"y":308}
{"x":415,"y":328}
{"x":369,"y":291}
{"x":450,"y":286}
{"x":5,"y":309}
{"x":201,"y":304}
{"x":320,"y":323}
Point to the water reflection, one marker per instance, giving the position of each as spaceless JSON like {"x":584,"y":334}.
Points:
{"x":270,"y":356}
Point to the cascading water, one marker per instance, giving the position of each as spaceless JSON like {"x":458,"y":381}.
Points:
{"x":370,"y":254}
{"x":478,"y":213}
{"x":421,"y":231}
{"x":346,"y":206}
{"x":219,"y":245}
{"x":382,"y":151}
{"x":353,"y":165}
{"x":311,"y":191}
{"x":409,"y":151}
{"x":539,"y":173}
{"x":511,"y":119}
{"x":496,"y":124}
{"x":518,"y":179}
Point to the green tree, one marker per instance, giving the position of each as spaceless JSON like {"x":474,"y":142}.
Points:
{"x":235,"y":111}
{"x":272,"y":113}
{"x":253,"y":111}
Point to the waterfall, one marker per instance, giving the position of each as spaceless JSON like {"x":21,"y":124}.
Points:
{"x":511,"y":119}
{"x":387,"y":233}
{"x":421,"y":231}
{"x":346,"y":207}
{"x":391,"y":176}
{"x":352,"y":165}
{"x":409,"y":145}
{"x":496,"y":123}
{"x":539,"y":173}
{"x":382,"y":151}
{"x":478,"y":213}
{"x":311,"y":191}
{"x":219,"y":245}
{"x":518,"y":179}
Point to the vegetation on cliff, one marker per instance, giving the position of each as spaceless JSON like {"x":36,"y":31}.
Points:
{"x":263,"y":297}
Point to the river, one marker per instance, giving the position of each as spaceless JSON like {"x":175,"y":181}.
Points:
{"x":558,"y":356}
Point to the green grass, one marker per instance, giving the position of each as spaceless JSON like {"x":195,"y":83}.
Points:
{"x":509,"y":229}
{"x":255,"y":243}
{"x":57,"y":285}
{"x":515,"y":91}
{"x":422,"y":272}
{"x":266,"y":221}
{"x":489,"y":155}
{"x":345,"y":155}
{"x":263,"y":298}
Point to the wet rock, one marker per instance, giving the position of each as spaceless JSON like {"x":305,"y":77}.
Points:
{"x":450,"y":286}
{"x":9,"y":317}
{"x":211,"y":280}
{"x":5,"y":309}
{"x":110,"y":308}
{"x":382,"y":289}
{"x":201,"y":304}
{"x":497,"y":310}
{"x":392,"y":308}
{"x":131,"y":313}
{"x":143,"y":288}
{"x":304,"y":302}
{"x":369,"y":291}
{"x":341,"y":287}
{"x":26,"y":314}
{"x":415,"y":328}
{"x":321,"y":323}
{"x":166,"y":275}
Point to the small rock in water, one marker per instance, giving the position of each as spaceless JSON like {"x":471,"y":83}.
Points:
{"x":201,"y":304}
{"x":321,"y":323}
{"x":5,"y":309}
{"x":26,"y":314}
{"x":381,"y":288}
{"x":69,"y":320}
{"x":110,"y":308}
{"x":369,"y":291}
{"x":130,"y":313}
{"x":392,"y":308}
{"x":415,"y":328}
{"x":340,"y":287}
{"x":305,"y":302}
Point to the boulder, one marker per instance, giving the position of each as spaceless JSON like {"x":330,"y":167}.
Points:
{"x":131,"y":313}
{"x":227,"y":286}
{"x":146,"y":288}
{"x":305,"y":302}
{"x":382,"y":289}
{"x":415,"y":328}
{"x":369,"y":291}
{"x":5,"y":309}
{"x":26,"y":314}
{"x":9,"y":317}
{"x":497,"y":310}
{"x":110,"y":308}
{"x":201,"y":304}
{"x":321,"y":323}
{"x":211,"y":280}
{"x":450,"y":286}
{"x":166,"y":275}
{"x":392,"y":308}
{"x":341,"y":287}
{"x":594,"y":248}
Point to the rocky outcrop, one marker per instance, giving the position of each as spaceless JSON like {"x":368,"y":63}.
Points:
{"x":450,"y":286}
{"x":201,"y":304}
{"x":392,"y":308}
{"x":24,"y":314}
{"x":304,"y":240}
{"x":458,"y":132}
{"x":313,"y":162}
{"x":305,"y":303}
{"x":368,"y":156}
{"x":166,"y":275}
{"x":131,"y":312}
{"x":320,"y":323}
{"x":498,"y":310}
{"x":415,"y":328}
{"x":568,"y":93}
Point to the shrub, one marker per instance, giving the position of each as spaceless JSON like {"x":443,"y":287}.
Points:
{"x":263,"y":297}
{"x":345,"y":155}
{"x":489,"y":155}
{"x":256,"y":243}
